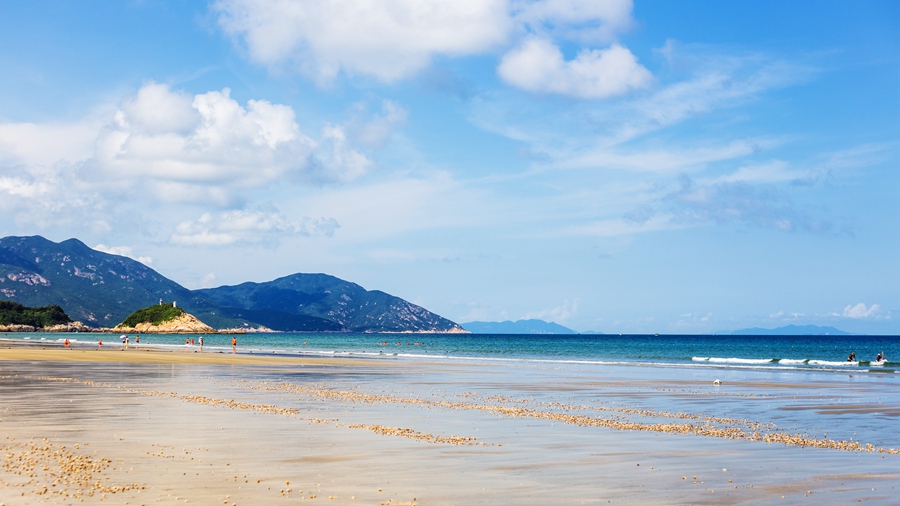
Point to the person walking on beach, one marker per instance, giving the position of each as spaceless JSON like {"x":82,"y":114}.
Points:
{"x":233,"y":345}
{"x":137,"y":341}
{"x":201,"y":343}
{"x":66,"y":343}
{"x":126,"y":342}
{"x":99,"y":343}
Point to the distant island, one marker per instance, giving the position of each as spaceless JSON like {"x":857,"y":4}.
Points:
{"x":517,"y":327}
{"x":789,"y":330}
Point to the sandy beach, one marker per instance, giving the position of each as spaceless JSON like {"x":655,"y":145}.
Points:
{"x":147,"y":426}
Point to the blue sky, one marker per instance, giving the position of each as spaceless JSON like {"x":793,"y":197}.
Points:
{"x":671,"y":167}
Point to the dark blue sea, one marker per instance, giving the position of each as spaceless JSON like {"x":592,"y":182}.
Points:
{"x":810,"y":353}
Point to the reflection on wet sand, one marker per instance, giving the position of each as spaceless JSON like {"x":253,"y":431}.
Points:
{"x":214,"y":431}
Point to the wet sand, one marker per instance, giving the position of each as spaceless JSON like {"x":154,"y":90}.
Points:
{"x":164,"y":427}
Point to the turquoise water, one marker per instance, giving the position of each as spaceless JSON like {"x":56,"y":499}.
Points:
{"x":812,"y":353}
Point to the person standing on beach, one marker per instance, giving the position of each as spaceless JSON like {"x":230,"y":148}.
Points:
{"x":66,"y":343}
{"x":137,"y":341}
{"x":201,"y":343}
{"x":126,"y":342}
{"x":99,"y":343}
{"x":233,"y":345}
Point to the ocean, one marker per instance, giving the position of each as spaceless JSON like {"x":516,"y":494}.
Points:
{"x":773,"y":353}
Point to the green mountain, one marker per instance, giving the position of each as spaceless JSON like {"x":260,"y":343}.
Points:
{"x":95,"y":288}
{"x":324,"y":296}
{"x":101,"y":290}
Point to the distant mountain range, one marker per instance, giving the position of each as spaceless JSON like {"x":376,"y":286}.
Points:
{"x":517,"y":327}
{"x":101,"y":289}
{"x":789,"y":330}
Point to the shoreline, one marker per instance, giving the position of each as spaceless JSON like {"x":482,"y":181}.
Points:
{"x":56,"y":351}
{"x":212,"y":428}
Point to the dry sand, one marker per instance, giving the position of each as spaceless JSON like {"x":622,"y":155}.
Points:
{"x":162,"y":427}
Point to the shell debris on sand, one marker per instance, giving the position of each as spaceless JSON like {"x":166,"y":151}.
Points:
{"x":31,"y":465}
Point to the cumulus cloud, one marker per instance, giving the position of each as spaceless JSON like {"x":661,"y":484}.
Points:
{"x":248,"y":226}
{"x":203,"y":148}
{"x":162,"y":145}
{"x":538,"y":65}
{"x":860,"y":311}
{"x":395,"y":39}
{"x":207,"y":138}
{"x":388,"y":40}
{"x":125,"y":251}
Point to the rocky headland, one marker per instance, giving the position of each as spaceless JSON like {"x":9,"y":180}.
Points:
{"x":184,"y":324}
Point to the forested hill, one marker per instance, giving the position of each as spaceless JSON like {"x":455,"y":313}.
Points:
{"x":101,"y":290}
{"x":13,"y":313}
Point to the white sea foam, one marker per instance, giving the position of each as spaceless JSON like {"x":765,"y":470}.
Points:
{"x":718,"y":360}
{"x":792,"y":361}
{"x":832,"y":363}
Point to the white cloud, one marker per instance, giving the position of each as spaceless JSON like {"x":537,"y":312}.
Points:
{"x":585,"y":135}
{"x":165,"y":146}
{"x":208,"y":147}
{"x":538,"y":65}
{"x":860,"y":311}
{"x":387,"y":39}
{"x":557,"y":314}
{"x":248,"y":227}
{"x":209,"y":139}
{"x":34,"y":195}
{"x":394,"y":39}
{"x":46,"y":144}
{"x":125,"y":251}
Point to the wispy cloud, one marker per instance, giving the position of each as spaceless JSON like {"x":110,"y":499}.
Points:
{"x":558,"y":314}
{"x":248,"y":227}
